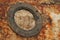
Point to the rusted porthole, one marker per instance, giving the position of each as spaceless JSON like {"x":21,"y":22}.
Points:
{"x":24,"y":19}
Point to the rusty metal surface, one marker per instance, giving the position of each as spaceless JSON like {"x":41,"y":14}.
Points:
{"x":50,"y":30}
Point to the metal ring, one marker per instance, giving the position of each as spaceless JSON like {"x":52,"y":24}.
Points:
{"x":35,"y":13}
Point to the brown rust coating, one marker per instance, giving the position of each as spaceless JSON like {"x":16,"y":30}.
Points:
{"x":46,"y":33}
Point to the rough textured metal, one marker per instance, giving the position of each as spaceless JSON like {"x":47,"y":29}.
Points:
{"x":50,"y":13}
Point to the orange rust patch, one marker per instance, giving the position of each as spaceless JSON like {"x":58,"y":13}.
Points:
{"x":59,"y":23}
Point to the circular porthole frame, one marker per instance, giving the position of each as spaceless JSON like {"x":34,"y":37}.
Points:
{"x":35,"y":13}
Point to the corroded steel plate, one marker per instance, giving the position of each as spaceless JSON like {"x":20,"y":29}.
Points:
{"x":49,"y":9}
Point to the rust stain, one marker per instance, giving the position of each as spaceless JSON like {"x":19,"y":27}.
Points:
{"x":50,"y":30}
